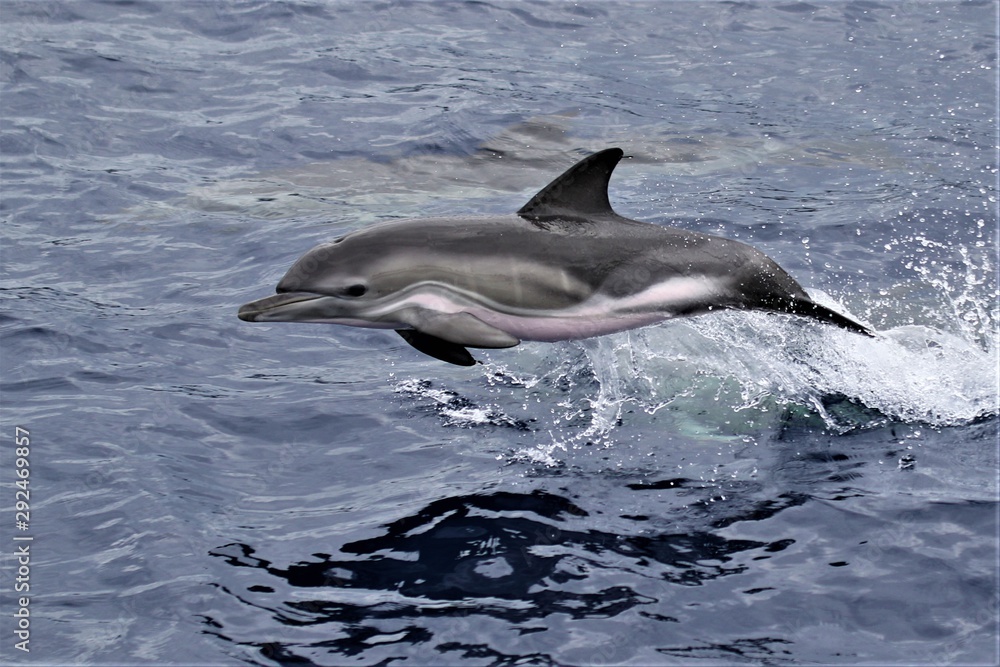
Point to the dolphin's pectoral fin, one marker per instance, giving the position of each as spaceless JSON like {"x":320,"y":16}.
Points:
{"x":445,"y":336}
{"x":437,"y":348}
{"x":459,"y":328}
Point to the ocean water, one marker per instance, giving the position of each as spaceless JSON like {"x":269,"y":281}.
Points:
{"x":738,"y":488}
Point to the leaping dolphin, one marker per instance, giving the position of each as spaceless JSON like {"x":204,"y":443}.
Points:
{"x":566,"y":266}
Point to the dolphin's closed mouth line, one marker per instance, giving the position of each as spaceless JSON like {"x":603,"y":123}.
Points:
{"x":565,"y":266}
{"x":249,"y":311}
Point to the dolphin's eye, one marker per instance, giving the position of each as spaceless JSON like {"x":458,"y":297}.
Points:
{"x":356,"y":290}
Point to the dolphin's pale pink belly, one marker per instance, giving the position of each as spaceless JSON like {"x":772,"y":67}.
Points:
{"x":551,"y":328}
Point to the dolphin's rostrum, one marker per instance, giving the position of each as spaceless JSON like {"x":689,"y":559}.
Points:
{"x":565,"y":267}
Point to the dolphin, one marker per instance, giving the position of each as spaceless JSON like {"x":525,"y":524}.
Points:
{"x":566,"y":266}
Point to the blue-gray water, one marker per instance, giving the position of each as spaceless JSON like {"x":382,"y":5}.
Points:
{"x":737,"y":488}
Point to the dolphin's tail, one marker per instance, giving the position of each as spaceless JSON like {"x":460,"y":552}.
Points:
{"x":808,"y":308}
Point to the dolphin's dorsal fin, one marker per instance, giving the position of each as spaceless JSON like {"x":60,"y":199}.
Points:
{"x":582,"y":191}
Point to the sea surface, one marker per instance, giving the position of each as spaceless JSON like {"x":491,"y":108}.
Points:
{"x":737,"y":488}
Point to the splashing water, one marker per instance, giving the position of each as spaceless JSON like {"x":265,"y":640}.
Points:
{"x":910,"y":373}
{"x":729,"y":374}
{"x":455,"y":409}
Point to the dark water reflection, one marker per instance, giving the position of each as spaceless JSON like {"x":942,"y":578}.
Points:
{"x":506,"y":555}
